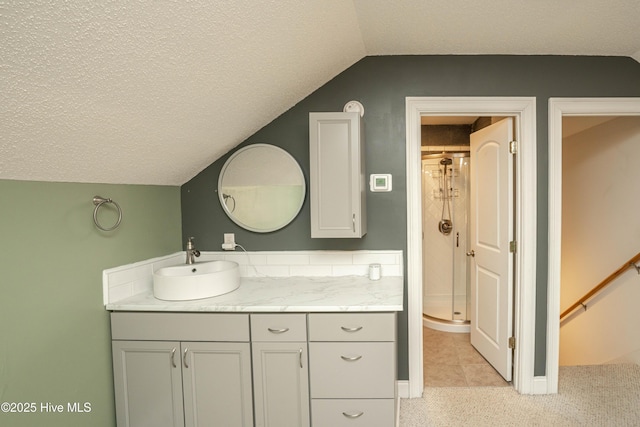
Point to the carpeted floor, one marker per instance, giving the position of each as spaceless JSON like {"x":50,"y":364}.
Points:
{"x":603,"y":395}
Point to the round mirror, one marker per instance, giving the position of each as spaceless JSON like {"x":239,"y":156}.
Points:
{"x":261,"y":188}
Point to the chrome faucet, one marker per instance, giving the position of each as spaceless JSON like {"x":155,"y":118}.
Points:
{"x":191,"y":251}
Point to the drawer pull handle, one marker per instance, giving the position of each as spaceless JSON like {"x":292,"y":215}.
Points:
{"x":300,"y":356}
{"x":184,"y":357}
{"x":348,"y":415}
{"x":351,"y":359}
{"x":356,"y":329}
{"x":173,"y":358}
{"x":278,"y":331}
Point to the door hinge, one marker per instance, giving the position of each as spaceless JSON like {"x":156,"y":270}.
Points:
{"x":512,"y":342}
{"x":513,"y":246}
{"x":513,"y":147}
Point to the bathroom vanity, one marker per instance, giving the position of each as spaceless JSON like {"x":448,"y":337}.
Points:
{"x":290,"y":351}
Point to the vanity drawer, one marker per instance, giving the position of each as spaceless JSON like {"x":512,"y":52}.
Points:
{"x":179,"y":326}
{"x":352,"y":370}
{"x":279,"y":327}
{"x":353,"y":412}
{"x":352,"y":326}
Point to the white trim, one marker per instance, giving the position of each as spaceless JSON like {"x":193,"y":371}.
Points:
{"x":524,"y":110}
{"x":403,"y":389}
{"x":559,"y":107}
{"x":540,"y":385}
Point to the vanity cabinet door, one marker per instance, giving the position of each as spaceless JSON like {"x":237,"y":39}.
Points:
{"x":337,"y":183}
{"x":217,"y":384}
{"x":281,"y":384}
{"x":148,"y":383}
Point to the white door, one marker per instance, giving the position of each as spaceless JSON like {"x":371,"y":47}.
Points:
{"x":491,"y":225}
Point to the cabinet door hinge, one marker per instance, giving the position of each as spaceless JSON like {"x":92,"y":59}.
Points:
{"x":513,"y":246}
{"x":513,"y":147}
{"x":512,"y":342}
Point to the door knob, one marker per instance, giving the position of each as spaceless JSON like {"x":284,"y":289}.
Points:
{"x":472,"y":253}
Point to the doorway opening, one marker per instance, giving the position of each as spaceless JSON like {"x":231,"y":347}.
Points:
{"x":523,"y":112}
{"x":467,"y":267}
{"x":560,"y":108}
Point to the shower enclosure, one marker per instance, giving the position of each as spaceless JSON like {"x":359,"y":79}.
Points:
{"x":445,"y":226}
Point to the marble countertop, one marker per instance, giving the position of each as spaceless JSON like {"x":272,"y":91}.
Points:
{"x":288,"y":294}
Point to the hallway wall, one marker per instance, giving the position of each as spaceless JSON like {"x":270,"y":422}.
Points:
{"x":601,"y":231}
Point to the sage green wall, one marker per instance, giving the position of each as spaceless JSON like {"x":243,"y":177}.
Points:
{"x":54,"y":330}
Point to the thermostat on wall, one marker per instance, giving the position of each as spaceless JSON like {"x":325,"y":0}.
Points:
{"x":380,"y":182}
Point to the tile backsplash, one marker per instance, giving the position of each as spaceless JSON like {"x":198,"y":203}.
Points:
{"x":131,"y":279}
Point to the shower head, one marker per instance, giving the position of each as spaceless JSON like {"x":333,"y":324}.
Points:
{"x":446,"y":161}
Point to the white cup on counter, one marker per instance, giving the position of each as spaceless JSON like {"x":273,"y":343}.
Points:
{"x":374,"y":271}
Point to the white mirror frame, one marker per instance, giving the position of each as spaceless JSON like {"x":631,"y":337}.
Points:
{"x":296,"y":171}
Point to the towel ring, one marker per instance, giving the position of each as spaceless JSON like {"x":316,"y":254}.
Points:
{"x":99,"y":201}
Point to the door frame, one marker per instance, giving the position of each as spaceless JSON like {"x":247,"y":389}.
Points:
{"x":523,"y":109}
{"x":559,"y":107}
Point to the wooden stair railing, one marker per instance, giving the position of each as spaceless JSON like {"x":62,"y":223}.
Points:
{"x":631,"y":263}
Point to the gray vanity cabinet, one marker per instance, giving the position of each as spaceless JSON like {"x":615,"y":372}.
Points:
{"x":180,"y":369}
{"x":337,"y":182}
{"x":148,"y":389}
{"x":280,"y":370}
{"x":352,"y":369}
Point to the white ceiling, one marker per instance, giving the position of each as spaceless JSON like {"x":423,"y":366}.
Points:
{"x":152,"y":92}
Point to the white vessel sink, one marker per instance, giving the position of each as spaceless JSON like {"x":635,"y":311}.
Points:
{"x":196,"y":281}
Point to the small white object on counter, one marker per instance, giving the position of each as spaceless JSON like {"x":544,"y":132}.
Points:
{"x":374,"y":272}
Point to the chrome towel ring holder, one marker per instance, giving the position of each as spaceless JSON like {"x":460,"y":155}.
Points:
{"x":99,"y":201}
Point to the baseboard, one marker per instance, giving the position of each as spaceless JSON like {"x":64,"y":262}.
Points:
{"x":540,"y":385}
{"x":403,"y":389}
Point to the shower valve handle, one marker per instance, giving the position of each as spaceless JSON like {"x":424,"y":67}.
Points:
{"x":472,"y":253}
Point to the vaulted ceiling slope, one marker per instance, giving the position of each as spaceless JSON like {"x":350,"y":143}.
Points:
{"x":152,"y":92}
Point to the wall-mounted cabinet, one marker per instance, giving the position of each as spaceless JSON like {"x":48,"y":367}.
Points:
{"x":337,"y":181}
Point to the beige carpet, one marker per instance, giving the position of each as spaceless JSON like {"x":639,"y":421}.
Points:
{"x":603,"y":395}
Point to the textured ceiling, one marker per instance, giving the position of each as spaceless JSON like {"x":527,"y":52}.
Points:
{"x":152,"y":92}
